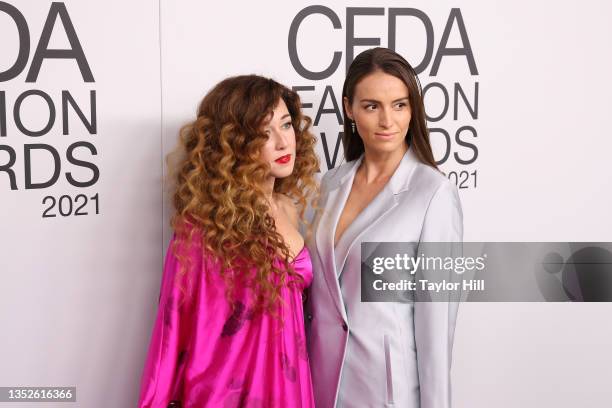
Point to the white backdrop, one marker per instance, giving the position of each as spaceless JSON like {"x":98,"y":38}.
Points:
{"x":78,"y":293}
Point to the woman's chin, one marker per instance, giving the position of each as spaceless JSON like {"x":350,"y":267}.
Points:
{"x":282,"y":173}
{"x":384,"y":147}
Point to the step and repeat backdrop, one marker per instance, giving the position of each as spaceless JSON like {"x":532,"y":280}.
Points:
{"x":80,"y":188}
{"x":92,"y":95}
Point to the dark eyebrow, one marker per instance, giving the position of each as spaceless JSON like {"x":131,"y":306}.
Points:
{"x":267,"y":123}
{"x":375,"y":101}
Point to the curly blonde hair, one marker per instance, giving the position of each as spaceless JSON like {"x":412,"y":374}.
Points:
{"x":219,"y":199}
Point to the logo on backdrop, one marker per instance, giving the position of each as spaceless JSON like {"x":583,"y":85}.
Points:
{"x":452,"y":107}
{"x":62,"y":112}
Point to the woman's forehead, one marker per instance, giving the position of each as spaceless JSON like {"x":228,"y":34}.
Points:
{"x":381,"y":86}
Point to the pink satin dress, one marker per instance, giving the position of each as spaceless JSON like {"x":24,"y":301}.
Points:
{"x":203,"y":354}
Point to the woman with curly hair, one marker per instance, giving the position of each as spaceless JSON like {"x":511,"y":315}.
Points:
{"x":229,"y":330}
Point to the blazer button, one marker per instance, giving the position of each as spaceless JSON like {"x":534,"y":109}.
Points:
{"x":344,"y":326}
{"x":309,"y":317}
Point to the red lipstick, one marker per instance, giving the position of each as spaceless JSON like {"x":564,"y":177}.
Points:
{"x":283,"y":159}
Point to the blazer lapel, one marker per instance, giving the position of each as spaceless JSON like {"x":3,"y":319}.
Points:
{"x":337,"y":194}
{"x":382,"y":204}
{"x":338,"y":190}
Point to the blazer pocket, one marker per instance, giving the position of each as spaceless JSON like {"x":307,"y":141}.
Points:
{"x":389,"y":371}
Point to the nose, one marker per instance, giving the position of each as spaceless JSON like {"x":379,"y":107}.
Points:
{"x":384,"y":118}
{"x":280,"y":140}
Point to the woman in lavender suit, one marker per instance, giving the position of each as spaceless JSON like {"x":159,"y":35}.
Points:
{"x":380,"y":354}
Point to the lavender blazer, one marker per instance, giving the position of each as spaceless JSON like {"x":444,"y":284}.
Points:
{"x":380,"y":354}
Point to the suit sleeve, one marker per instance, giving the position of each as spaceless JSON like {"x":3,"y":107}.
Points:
{"x":162,"y":375}
{"x":435,"y":320}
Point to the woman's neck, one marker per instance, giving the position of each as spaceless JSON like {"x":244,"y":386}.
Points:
{"x":377,"y":167}
{"x":268,"y":188}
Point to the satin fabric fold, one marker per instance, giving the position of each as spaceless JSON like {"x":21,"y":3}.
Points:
{"x":205,"y":354}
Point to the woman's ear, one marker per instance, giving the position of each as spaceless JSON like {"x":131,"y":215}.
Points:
{"x":347,"y":107}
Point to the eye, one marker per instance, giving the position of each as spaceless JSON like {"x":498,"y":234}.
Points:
{"x":286,"y":125}
{"x":370,"y":106}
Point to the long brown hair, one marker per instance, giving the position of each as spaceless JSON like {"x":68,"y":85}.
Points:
{"x":390,"y":62}
{"x":219,"y":200}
